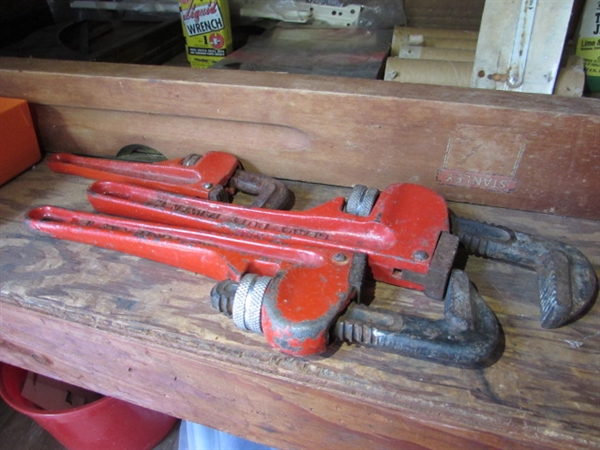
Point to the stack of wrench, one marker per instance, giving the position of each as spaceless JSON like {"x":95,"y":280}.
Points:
{"x":296,"y":276}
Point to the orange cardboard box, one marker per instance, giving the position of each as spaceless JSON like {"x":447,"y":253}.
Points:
{"x":19,"y":147}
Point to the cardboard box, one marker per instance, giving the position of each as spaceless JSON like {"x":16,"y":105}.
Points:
{"x":19,"y":148}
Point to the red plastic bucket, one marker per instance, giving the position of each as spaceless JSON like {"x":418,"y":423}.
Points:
{"x":103,"y":424}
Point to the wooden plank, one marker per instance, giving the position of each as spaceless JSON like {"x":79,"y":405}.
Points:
{"x":458,"y":14}
{"x":146,"y":333}
{"x":503,"y":149}
{"x":265,"y":409}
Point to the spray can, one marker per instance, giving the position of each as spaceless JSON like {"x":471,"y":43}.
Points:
{"x":207,"y":31}
{"x":588,"y":44}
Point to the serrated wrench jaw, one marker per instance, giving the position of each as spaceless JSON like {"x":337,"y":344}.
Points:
{"x":567,"y":283}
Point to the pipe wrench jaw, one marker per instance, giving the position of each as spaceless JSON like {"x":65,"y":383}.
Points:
{"x":467,"y":336}
{"x":304,"y":321}
{"x":567,"y":281}
{"x":296,"y":309}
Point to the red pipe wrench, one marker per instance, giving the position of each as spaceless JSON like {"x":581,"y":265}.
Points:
{"x":215,"y":175}
{"x":293,"y":275}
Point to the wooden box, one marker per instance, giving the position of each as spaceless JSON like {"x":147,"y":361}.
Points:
{"x":519,"y":151}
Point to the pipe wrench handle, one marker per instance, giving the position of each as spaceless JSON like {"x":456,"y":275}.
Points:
{"x":194,"y":175}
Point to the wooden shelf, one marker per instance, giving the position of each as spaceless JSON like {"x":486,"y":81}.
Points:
{"x":146,"y":333}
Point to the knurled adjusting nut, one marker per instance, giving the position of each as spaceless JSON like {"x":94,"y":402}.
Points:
{"x":247,"y":302}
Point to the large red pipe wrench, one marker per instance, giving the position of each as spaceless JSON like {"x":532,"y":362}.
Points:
{"x":293,"y":275}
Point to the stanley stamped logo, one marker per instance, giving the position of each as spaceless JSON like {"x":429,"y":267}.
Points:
{"x":482,"y":157}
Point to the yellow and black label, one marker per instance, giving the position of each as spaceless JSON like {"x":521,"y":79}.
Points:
{"x":207,"y":31}
{"x":588,"y":44}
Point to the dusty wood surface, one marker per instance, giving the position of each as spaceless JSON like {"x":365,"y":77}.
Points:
{"x":146,"y":333}
{"x":521,"y":151}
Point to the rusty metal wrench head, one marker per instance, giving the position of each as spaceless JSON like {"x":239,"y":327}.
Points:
{"x":567,"y":282}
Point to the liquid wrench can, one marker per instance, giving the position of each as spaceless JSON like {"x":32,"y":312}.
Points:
{"x":207,"y":31}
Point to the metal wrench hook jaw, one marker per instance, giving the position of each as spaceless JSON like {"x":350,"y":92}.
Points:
{"x":467,"y":336}
{"x":567,"y":282}
{"x":270,"y":193}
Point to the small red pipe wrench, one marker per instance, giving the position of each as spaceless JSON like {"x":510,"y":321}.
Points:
{"x":215,"y":175}
{"x":294,"y":275}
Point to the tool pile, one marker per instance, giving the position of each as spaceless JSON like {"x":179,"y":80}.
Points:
{"x":296,"y":276}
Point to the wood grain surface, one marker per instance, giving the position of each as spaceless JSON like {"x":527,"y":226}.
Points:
{"x":520,"y":151}
{"x":146,"y":333}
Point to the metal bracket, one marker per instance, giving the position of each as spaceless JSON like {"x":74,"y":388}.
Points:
{"x":302,"y":12}
{"x":520,"y":45}
{"x":520,"y":50}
